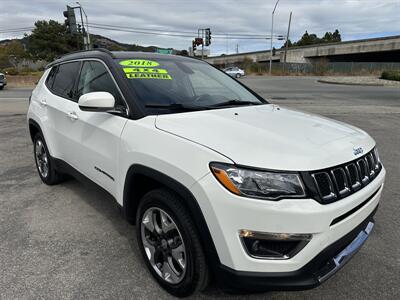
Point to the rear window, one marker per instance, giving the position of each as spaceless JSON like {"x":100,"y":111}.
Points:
{"x":64,"y":79}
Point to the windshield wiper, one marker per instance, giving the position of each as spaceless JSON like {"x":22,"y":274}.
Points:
{"x":176,"y":106}
{"x":235,"y":102}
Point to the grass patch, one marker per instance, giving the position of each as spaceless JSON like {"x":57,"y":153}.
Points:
{"x":391,"y":75}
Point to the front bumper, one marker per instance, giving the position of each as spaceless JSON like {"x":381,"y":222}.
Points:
{"x":319,"y":269}
{"x":226,"y":214}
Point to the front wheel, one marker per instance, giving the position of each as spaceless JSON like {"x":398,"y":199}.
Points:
{"x":170,"y":244}
{"x":238,"y":75}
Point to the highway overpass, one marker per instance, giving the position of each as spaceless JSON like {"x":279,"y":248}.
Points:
{"x":384,"y":49}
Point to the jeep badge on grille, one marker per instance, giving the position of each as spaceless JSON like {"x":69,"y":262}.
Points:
{"x":358,"y":150}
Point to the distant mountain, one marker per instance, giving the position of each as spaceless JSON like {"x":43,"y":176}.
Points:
{"x":112,"y":45}
{"x":100,"y":41}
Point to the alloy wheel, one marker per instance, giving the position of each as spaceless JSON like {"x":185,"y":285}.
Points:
{"x":163,"y":245}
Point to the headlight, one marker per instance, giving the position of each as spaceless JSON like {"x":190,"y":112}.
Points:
{"x":258,"y":184}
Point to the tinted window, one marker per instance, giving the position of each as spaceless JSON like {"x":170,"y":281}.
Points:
{"x":96,"y":78}
{"x":50,"y":78}
{"x":64,"y":80}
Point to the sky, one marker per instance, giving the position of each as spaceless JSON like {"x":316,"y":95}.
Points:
{"x":355,"y":19}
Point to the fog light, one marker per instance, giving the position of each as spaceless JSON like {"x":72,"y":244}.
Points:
{"x":273,"y":245}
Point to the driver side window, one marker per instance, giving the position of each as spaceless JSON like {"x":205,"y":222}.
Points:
{"x":95,"y":77}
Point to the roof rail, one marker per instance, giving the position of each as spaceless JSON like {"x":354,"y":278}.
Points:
{"x":83,"y":51}
{"x":80,"y":51}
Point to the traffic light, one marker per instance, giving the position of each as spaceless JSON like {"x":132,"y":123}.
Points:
{"x":207,"y":36}
{"x":70,"y":20}
{"x":198,"y":41}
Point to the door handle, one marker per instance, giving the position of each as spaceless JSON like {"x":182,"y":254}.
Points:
{"x":43,"y":102}
{"x":72,"y":115}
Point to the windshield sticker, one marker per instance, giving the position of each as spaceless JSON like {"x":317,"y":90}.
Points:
{"x":145,"y":70}
{"x":148,"y":76}
{"x":139,"y":63}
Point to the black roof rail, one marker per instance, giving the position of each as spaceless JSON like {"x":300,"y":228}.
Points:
{"x":79,"y":51}
{"x":104,"y":50}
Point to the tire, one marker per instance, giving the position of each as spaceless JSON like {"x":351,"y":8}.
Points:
{"x":44,"y":162}
{"x":194,"y":276}
{"x":1,"y":87}
{"x":238,"y":75}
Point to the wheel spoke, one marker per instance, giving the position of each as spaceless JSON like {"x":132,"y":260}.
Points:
{"x":149,"y":249}
{"x":157,"y":227}
{"x":148,"y":221}
{"x":166,"y":223}
{"x":168,"y":273}
{"x":178,"y":255}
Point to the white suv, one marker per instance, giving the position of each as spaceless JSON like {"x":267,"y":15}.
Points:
{"x":220,"y":183}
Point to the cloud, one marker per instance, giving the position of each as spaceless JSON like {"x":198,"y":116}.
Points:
{"x":354,"y":19}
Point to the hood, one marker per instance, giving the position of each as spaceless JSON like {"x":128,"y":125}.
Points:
{"x":267,"y":136}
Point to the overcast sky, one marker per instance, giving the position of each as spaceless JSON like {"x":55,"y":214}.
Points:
{"x":354,"y":19}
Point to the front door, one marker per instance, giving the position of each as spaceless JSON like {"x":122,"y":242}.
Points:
{"x":96,"y":135}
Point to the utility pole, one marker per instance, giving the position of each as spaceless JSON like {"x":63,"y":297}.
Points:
{"x":272,"y":34}
{"x":202,"y":44}
{"x":237,"y":48}
{"x":287,"y":42}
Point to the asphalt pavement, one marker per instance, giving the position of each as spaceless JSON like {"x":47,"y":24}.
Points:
{"x":70,"y":242}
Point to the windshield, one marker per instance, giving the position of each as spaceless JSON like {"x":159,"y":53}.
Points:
{"x":176,"y":83}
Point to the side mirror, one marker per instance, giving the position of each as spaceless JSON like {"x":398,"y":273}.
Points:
{"x":96,"y":101}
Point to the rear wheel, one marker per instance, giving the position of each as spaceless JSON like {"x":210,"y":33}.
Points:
{"x":170,"y":244}
{"x":44,"y":163}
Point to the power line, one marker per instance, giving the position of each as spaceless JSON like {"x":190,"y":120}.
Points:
{"x":164,"y":32}
{"x":176,"y":33}
{"x":11,"y":30}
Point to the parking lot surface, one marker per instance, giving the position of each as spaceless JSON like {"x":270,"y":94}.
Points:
{"x":69,"y":241}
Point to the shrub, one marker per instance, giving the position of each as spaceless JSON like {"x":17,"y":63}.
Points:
{"x":391,"y":75}
{"x":10,"y":71}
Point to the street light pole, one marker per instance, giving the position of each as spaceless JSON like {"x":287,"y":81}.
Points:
{"x":272,"y":33}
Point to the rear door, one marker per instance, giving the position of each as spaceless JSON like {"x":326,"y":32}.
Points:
{"x":57,"y":101}
{"x":95,"y":136}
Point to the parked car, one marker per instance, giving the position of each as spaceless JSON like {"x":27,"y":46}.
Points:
{"x":234,"y":72}
{"x":220,"y":183}
{"x":3,"y":81}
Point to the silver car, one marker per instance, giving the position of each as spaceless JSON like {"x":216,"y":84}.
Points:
{"x":234,"y":72}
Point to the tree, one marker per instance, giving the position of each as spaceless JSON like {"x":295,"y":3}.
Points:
{"x":328,"y":37}
{"x":11,"y":54}
{"x":312,"y":39}
{"x":336,"y":37}
{"x":50,"y":39}
{"x":183,"y":53}
{"x":289,"y":42}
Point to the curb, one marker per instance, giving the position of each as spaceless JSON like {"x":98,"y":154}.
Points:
{"x":350,"y":83}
